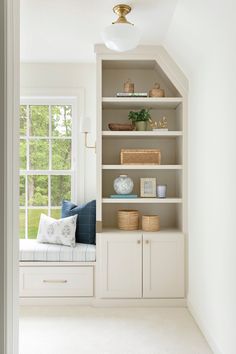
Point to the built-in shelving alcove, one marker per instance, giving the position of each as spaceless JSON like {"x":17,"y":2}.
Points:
{"x":139,"y":264}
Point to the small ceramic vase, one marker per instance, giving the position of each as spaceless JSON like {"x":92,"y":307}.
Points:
{"x":123,"y":184}
{"x":129,"y":86}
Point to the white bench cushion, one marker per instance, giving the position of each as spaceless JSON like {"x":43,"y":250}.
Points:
{"x":31,"y":250}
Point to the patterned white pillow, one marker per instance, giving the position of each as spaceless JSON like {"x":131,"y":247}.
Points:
{"x":61,"y":232}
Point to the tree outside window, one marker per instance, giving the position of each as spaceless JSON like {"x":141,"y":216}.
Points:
{"x":46,"y":169}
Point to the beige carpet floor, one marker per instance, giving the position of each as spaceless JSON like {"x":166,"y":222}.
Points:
{"x":88,"y":330}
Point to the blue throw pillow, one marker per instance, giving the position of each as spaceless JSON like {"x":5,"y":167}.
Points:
{"x":86,"y":220}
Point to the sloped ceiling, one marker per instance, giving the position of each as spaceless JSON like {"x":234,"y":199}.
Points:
{"x":66,"y":30}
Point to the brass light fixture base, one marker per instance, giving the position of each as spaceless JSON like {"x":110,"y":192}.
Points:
{"x":121,"y":10}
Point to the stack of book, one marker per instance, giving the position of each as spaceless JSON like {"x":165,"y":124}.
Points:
{"x":134,"y":94}
{"x":123,"y":196}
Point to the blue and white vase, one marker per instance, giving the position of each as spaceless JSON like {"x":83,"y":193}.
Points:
{"x":123,"y":184}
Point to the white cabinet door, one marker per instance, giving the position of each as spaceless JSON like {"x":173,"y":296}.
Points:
{"x":120,"y":260}
{"x":163,"y":265}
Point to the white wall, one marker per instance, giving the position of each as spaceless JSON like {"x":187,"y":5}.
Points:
{"x":2,"y":175}
{"x":44,"y":76}
{"x":202,"y":40}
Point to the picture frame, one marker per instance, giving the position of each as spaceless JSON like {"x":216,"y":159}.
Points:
{"x":148,"y":187}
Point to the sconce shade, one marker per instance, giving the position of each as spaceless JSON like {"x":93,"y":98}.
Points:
{"x":121,"y":36}
{"x":85,"y":125}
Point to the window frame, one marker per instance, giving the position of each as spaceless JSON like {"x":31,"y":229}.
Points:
{"x":77,"y":153}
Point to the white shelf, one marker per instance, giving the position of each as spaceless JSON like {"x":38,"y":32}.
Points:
{"x":142,"y":200}
{"x":137,"y":102}
{"x":122,"y":232}
{"x":143,"y":134}
{"x":142,"y":167}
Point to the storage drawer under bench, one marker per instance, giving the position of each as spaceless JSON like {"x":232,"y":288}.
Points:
{"x":56,"y":281}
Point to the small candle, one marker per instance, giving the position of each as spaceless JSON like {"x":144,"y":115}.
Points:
{"x":161,"y":190}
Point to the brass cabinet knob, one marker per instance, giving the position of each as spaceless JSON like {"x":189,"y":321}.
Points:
{"x":138,"y":242}
{"x":147,"y":242}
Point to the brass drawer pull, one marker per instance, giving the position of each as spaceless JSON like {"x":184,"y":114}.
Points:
{"x":54,"y":281}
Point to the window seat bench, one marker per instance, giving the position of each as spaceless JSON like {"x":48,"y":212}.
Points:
{"x":31,"y":250}
{"x":56,"y":271}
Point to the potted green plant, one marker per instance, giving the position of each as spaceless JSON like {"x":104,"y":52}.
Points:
{"x":140,"y":118}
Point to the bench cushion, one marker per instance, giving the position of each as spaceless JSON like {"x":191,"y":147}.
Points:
{"x":31,"y":250}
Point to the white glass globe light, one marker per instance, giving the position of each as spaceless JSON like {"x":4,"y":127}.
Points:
{"x":121,"y":36}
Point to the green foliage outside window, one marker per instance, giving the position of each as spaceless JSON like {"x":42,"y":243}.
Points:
{"x":45,"y":131}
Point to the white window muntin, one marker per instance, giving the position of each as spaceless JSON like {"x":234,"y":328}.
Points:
{"x":73,"y":172}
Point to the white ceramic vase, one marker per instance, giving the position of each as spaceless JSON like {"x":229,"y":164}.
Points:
{"x":123,"y":184}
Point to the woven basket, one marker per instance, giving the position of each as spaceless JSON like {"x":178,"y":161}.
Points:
{"x":150,"y":223}
{"x":128,"y":220}
{"x":140,"y":157}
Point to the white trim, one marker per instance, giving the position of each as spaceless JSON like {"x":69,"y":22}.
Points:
{"x":203,"y":328}
{"x":57,"y":264}
{"x":39,"y":207}
{"x":11,"y":176}
{"x":46,"y":172}
{"x":93,"y":301}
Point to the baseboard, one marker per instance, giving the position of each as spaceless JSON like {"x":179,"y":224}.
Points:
{"x":211,"y":342}
{"x":95,"y":302}
{"x":56,"y":301}
{"x":140,"y":302}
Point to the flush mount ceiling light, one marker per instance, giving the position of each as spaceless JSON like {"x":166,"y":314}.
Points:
{"x":121,"y":35}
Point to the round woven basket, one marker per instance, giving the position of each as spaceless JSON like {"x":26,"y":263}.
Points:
{"x":150,"y":223}
{"x":128,"y":220}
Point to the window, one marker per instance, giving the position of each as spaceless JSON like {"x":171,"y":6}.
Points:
{"x":47,"y":161}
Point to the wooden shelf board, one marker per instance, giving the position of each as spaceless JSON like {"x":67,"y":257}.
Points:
{"x":142,"y":200}
{"x":137,"y":102}
{"x":142,"y":167}
{"x":143,"y":134}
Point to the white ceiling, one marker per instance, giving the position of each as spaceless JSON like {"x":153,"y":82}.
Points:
{"x":66,"y":30}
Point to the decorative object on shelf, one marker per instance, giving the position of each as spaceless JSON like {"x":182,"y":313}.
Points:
{"x":160,"y":125}
{"x":123,"y":184}
{"x":123,"y":196}
{"x":140,"y":157}
{"x":161,"y":190}
{"x":129,"y":86}
{"x":128,"y":220}
{"x":156,"y":91}
{"x":140,"y":118}
{"x":148,"y":187}
{"x":121,"y":127}
{"x":121,"y":35}
{"x":85,"y":128}
{"x":150,"y":223}
{"x":135,"y":94}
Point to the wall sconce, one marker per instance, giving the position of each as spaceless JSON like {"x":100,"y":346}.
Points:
{"x":85,"y":128}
